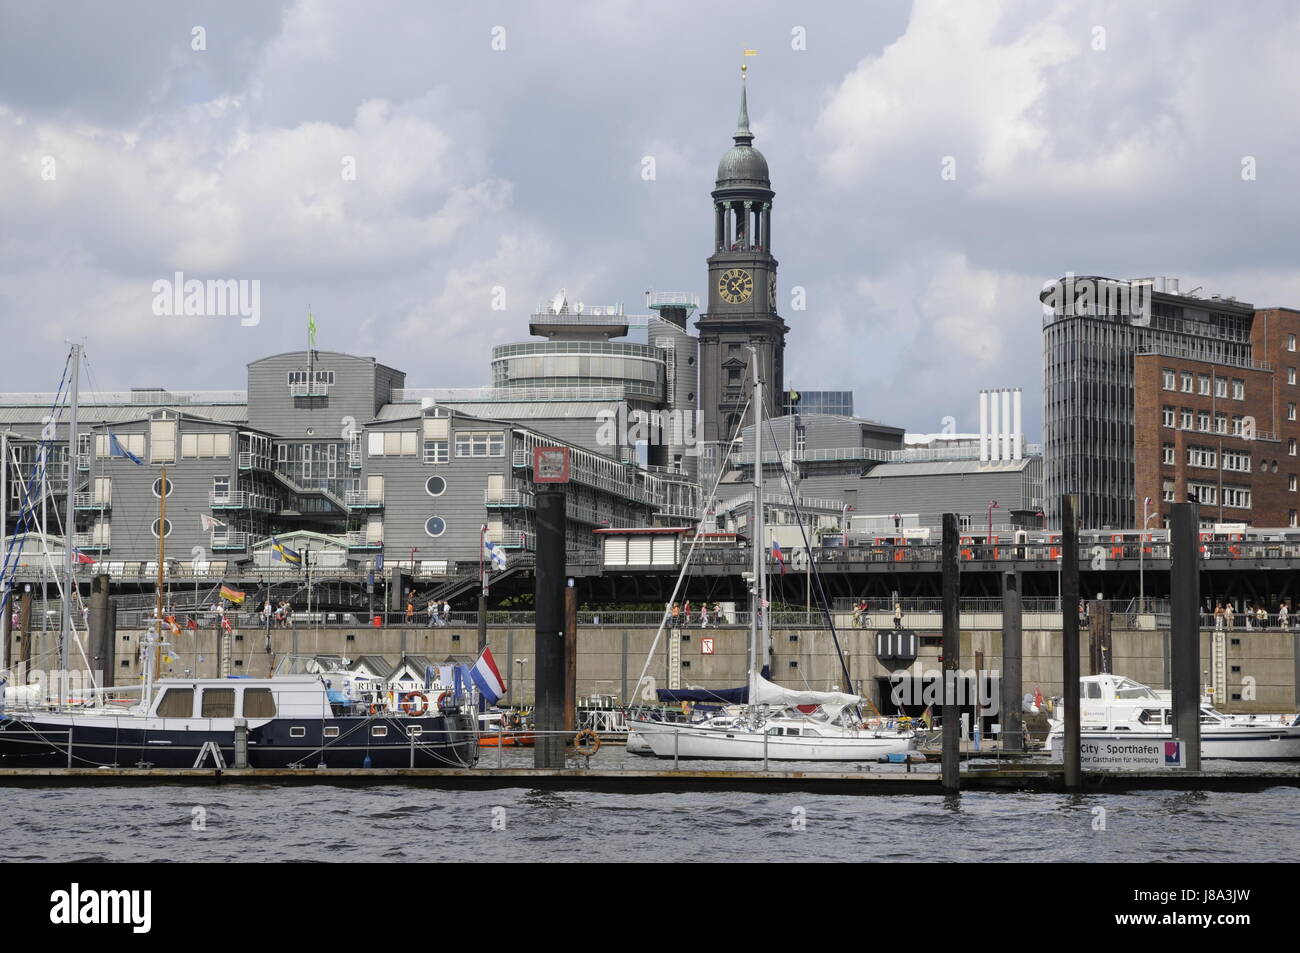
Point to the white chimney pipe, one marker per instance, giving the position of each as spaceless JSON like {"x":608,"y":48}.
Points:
{"x":995,"y":426}
{"x":1006,"y":424}
{"x":984,"y":426}
{"x":1017,"y":451}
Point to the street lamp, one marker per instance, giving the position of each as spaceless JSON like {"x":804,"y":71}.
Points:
{"x":988,"y":540}
{"x":520,"y":663}
{"x":1142,"y":590}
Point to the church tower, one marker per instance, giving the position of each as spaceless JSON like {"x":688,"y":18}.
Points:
{"x":742,"y":292}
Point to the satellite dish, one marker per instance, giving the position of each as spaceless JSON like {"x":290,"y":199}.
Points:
{"x":560,"y":303}
{"x":578,"y":307}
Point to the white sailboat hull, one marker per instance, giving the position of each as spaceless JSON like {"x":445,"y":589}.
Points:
{"x":1233,"y":743}
{"x":669,"y":740}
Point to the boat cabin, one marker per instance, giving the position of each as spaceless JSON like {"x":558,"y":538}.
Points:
{"x":251,"y":698}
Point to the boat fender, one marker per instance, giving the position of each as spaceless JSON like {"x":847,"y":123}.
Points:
{"x":586,"y":742}
{"x":409,"y":706}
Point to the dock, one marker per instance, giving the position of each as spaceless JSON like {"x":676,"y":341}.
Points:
{"x":920,"y":780}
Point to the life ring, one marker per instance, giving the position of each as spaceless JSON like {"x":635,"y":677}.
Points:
{"x":513,"y":720}
{"x":445,"y":699}
{"x":586,"y":742}
{"x":408,"y":704}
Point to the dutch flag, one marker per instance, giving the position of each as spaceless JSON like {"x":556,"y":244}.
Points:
{"x":486,"y":678}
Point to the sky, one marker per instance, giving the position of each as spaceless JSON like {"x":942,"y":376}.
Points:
{"x":421,"y":175}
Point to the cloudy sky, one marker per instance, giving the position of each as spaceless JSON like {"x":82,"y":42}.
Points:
{"x":502,"y":145}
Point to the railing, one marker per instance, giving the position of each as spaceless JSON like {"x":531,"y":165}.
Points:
{"x":229,"y":540}
{"x":309,"y":389}
{"x":362,"y":541}
{"x":361,"y":499}
{"x":91,"y":501}
{"x":507,"y":498}
{"x":912,"y":455}
{"x":137,"y":398}
{"x":242,"y":500}
{"x":499,"y":395}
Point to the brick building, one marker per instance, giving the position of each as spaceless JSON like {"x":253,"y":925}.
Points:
{"x":1223,"y":433}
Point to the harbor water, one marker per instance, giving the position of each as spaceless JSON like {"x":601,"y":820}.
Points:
{"x":409,"y":823}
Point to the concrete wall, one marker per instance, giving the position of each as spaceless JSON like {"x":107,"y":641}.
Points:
{"x":805,"y":658}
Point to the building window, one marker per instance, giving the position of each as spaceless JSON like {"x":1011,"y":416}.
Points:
{"x":1291,"y":482}
{"x":1290,"y":375}
{"x":1200,"y":457}
{"x":1167,"y":379}
{"x":436,"y":451}
{"x":162,"y":441}
{"x":1203,"y":421}
{"x":167,"y":531}
{"x":1203,"y":385}
{"x":435,"y":486}
{"x":131,"y":442}
{"x":1237,"y":497}
{"x":1220,"y":387}
{"x":1168,"y":416}
{"x":435,"y":526}
{"x":391,"y":443}
{"x":1237,"y":424}
{"x":1290,"y":344}
{"x":1290,"y":411}
{"x":1238,"y":389}
{"x":158,"y":487}
{"x":1220,"y":423}
{"x":303,"y":377}
{"x":1168,"y":451}
{"x":1167,"y":491}
{"x":1187,"y":382}
{"x":1237,"y":460}
{"x":1205,"y":493}
{"x":1186,"y":419}
{"x":480,"y":443}
{"x":205,"y":445}
{"x":1290,"y":518}
{"x":1290,"y":446}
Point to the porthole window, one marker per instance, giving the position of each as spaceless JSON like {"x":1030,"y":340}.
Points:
{"x":435,"y":526}
{"x":167,"y":530}
{"x":435,"y":486}
{"x":157,"y":487}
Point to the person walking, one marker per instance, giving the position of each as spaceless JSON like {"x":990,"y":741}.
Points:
{"x":1227,"y":616}
{"x":898,"y":615}
{"x":410,"y":609}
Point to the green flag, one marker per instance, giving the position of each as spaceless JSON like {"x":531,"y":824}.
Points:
{"x":311,"y":330}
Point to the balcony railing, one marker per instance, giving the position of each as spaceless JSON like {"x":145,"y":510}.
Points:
{"x":309,"y":389}
{"x":363,"y":500}
{"x":87,"y":543}
{"x":361,"y":540}
{"x":507,"y":498}
{"x":230,"y":540}
{"x":242,"y":500}
{"x":91,"y":501}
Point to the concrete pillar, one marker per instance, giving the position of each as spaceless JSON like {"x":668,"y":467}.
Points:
{"x":548,"y":660}
{"x":1012,"y":662}
{"x":570,"y":657}
{"x":1185,"y":630}
{"x":951,"y":654}
{"x":1099,"y":638}
{"x":1070,"y":641}
{"x":103,"y":638}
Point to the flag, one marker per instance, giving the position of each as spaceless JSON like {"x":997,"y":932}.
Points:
{"x":927,"y":717}
{"x":190,"y":623}
{"x":379,"y":562}
{"x":778,"y":555}
{"x":283,"y":553}
{"x":80,"y":557}
{"x":1038,"y":700}
{"x":763,"y":604}
{"x":311,"y":331}
{"x":225,"y":624}
{"x":486,"y":678}
{"x":232,"y":595}
{"x":209,"y":523}
{"x":115,"y":449}
{"x":495,"y":554}
{"x":751,"y":52}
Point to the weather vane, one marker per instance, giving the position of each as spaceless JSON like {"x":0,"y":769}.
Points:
{"x":744,"y":67}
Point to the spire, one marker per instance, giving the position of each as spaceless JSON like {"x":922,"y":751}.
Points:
{"x":743,"y":136}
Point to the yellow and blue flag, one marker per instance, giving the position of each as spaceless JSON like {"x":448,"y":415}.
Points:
{"x":283,"y":553}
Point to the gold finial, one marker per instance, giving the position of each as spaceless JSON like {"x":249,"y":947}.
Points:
{"x":744,"y":67}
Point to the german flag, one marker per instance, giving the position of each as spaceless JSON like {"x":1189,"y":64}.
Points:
{"x":232,"y":595}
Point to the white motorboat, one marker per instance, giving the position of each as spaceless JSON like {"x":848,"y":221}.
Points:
{"x":1115,"y":708}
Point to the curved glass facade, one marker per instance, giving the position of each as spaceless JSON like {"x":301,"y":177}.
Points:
{"x":637,"y":368}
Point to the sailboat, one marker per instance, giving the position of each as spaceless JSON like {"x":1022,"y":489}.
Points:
{"x":774,"y":723}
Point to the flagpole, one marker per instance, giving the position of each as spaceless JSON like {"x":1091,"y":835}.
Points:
{"x":162,"y":554}
{"x":482,"y":591}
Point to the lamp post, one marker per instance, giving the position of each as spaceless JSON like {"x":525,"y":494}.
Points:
{"x":988,"y":540}
{"x":1142,"y":591}
{"x":520,"y":663}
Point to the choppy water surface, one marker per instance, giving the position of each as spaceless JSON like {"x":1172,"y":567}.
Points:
{"x":412,"y":823}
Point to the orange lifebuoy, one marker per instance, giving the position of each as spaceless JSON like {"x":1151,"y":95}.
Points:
{"x":586,"y":742}
{"x":408,"y":704}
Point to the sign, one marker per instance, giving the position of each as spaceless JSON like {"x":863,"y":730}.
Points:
{"x":706,"y":646}
{"x":550,"y":464}
{"x":1129,"y":754}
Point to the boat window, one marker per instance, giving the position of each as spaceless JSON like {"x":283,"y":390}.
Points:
{"x":792,"y":731}
{"x":297,"y":731}
{"x":259,"y":703}
{"x":1150,"y":716}
{"x":176,"y":703}
{"x":218,"y":703}
{"x":1094,"y":690}
{"x":331,"y":731}
{"x":414,"y":731}
{"x":776,"y":731}
{"x":379,"y":731}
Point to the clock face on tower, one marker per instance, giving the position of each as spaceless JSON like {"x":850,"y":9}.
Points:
{"x":735,"y":285}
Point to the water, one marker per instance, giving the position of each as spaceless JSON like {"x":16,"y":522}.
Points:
{"x":392,"y":822}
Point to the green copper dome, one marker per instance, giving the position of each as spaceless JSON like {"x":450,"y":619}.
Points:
{"x":742,"y":163}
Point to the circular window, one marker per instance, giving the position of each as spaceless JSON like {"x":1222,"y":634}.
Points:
{"x":435,"y":526}
{"x":157,"y":487}
{"x":167,"y":530}
{"x":1275,"y":466}
{"x":435,"y":486}
{"x":690,"y":362}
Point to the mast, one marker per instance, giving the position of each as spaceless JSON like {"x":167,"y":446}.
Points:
{"x":760,"y":562}
{"x":163,"y":487}
{"x":69,"y":525}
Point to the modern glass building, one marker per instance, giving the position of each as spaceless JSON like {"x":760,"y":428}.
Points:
{"x":1092,"y":330}
{"x":838,"y":403}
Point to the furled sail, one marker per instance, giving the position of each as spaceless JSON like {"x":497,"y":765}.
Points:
{"x":770,"y":693}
